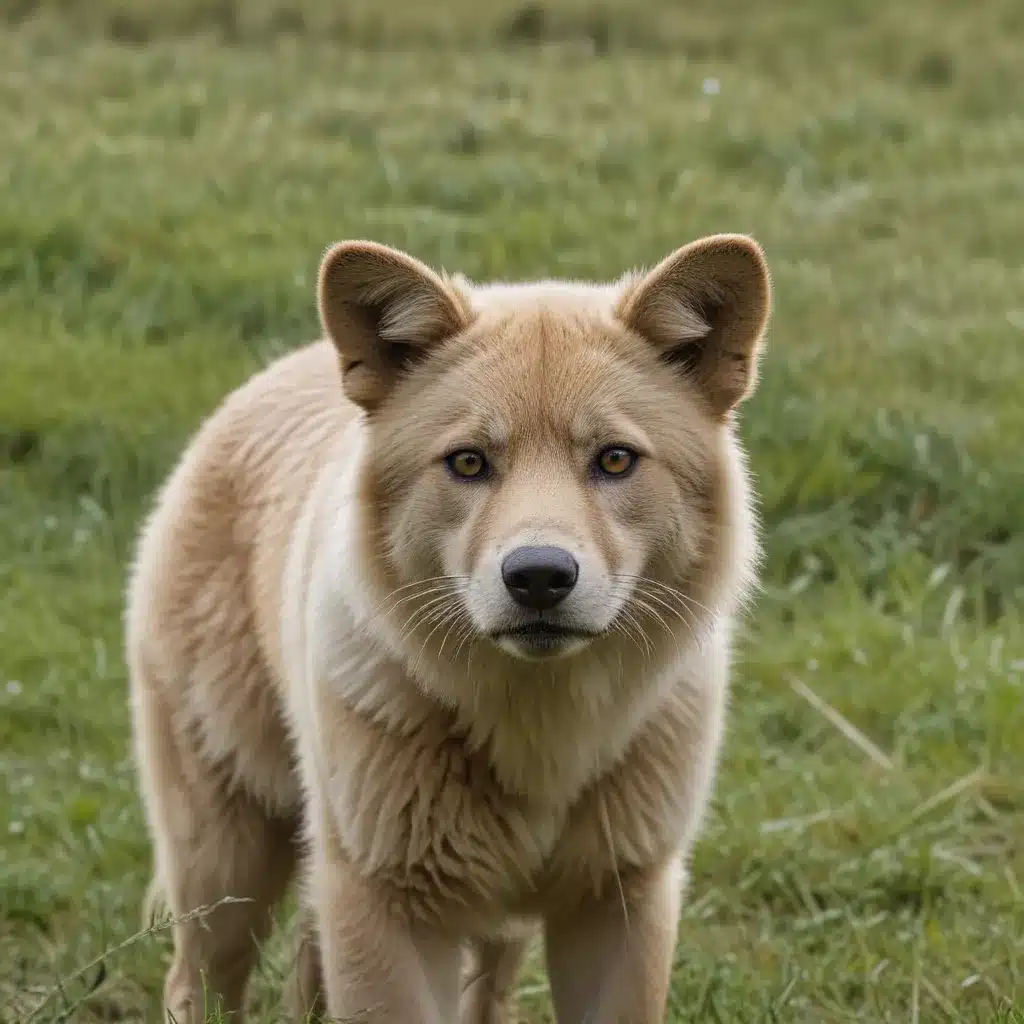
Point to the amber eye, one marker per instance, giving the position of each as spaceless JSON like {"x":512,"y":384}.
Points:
{"x":467,"y":464}
{"x":616,"y":461}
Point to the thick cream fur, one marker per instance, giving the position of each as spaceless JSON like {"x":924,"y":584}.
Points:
{"x":314,"y":686}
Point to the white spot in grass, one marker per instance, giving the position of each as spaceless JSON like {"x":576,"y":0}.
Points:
{"x":952,"y":609}
{"x":14,"y":687}
{"x":876,"y":971}
{"x":921,"y":447}
{"x":711,"y":87}
{"x":995,"y":653}
{"x":16,"y":828}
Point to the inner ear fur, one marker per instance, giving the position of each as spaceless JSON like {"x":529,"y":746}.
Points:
{"x":383,"y":310}
{"x":705,"y":308}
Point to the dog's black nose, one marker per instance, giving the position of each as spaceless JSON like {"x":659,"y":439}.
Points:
{"x":538,"y":578}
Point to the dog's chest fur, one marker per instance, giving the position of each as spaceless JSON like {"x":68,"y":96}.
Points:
{"x":424,"y":813}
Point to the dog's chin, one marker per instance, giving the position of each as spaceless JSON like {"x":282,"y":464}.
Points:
{"x":541,"y":642}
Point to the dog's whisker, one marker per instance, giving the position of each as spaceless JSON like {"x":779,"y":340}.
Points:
{"x":432,"y":621}
{"x":629,"y":626}
{"x":423,"y":610}
{"x":642,"y":604}
{"x":464,"y":635}
{"x":663,"y":603}
{"x":427,"y":579}
{"x":424,"y":617}
{"x":671,"y":591}
{"x":453,"y":613}
{"x":448,"y":588}
{"x":632,"y":629}
{"x":457,"y":620}
{"x":685,"y":618}
{"x":417,"y":586}
{"x":653,"y":597}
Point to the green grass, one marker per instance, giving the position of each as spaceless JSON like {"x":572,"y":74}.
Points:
{"x":170,"y":175}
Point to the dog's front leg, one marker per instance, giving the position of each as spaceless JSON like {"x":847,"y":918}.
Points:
{"x":378,"y":968}
{"x":610,"y":960}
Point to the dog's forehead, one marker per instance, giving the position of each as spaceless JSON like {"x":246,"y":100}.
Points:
{"x":548,"y":351}
{"x":549,"y":371}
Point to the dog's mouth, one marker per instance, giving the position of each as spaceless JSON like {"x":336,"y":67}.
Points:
{"x":541,"y":639}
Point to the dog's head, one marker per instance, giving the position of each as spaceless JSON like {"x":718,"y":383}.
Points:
{"x":548,"y":463}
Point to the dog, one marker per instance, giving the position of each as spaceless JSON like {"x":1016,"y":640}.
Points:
{"x":436,"y":613}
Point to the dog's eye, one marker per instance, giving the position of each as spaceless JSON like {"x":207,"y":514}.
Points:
{"x":616,"y":461}
{"x":467,"y":464}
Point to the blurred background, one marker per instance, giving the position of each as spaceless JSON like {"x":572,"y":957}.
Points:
{"x":170,"y":173}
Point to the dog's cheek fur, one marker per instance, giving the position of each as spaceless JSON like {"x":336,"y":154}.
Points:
{"x":664,"y":513}
{"x":427,"y":524}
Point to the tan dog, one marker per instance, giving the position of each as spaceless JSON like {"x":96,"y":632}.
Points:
{"x":449,"y":596}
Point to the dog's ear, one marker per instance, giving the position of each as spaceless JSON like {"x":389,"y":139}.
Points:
{"x":705,"y":308}
{"x":383,"y":310}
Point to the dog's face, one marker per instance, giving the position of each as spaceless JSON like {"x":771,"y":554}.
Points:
{"x":545,"y":458}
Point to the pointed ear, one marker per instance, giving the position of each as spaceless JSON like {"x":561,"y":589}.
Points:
{"x":383,"y":310}
{"x":705,"y":308}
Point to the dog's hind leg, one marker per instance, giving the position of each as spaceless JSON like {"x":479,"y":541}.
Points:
{"x":216,"y":848}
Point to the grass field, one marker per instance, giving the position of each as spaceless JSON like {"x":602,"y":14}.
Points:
{"x":170,"y":175}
